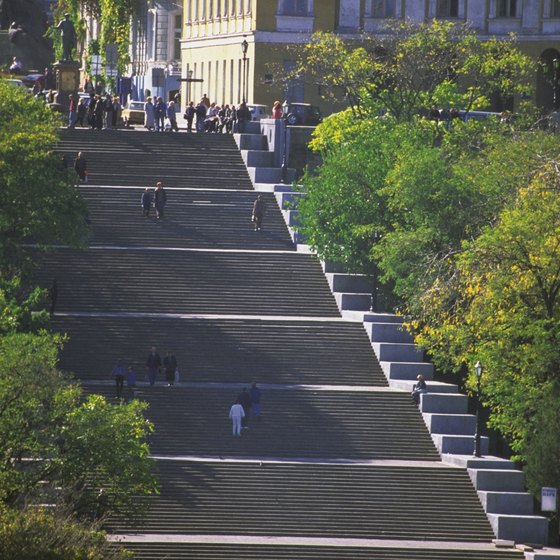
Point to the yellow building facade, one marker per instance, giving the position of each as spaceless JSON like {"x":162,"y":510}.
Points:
{"x":215,"y":30}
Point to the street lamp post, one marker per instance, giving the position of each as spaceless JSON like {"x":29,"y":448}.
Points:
{"x":284,"y":150}
{"x":478,"y":370}
{"x":189,"y":78}
{"x":244,"y":49}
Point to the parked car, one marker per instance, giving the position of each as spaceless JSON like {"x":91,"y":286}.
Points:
{"x":302,"y":114}
{"x":478,"y":115}
{"x":31,"y":79}
{"x":259,"y":112}
{"x":134,"y":113}
{"x":14,"y":82}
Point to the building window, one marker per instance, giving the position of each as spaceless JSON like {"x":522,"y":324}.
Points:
{"x":293,"y":8}
{"x":507,"y":8}
{"x":447,"y":8}
{"x":555,"y":8}
{"x":382,"y":9}
{"x":177,"y":34}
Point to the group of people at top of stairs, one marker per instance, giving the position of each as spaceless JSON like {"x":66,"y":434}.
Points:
{"x":97,"y":111}
{"x":211,"y":117}
{"x":247,"y":404}
{"x":156,"y":112}
{"x":154,"y":366}
{"x":158,"y":199}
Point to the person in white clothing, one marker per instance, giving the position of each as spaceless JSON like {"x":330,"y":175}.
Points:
{"x":236,"y":413}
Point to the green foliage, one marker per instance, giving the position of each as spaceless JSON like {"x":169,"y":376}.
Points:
{"x":461,"y":221}
{"x":542,"y":447}
{"x":91,"y":455}
{"x":413,"y":67}
{"x":105,"y":448}
{"x":114,"y":17}
{"x":39,"y":534}
{"x":40,"y":200}
{"x":34,"y":401}
{"x":21,"y":308}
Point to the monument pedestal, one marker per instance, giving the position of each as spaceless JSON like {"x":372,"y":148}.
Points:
{"x":67,"y":81}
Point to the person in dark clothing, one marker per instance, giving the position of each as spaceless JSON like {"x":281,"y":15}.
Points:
{"x":80,"y":166}
{"x":243,"y":116}
{"x":82,"y":111}
{"x":418,"y":389}
{"x":53,"y":295}
{"x":146,"y":202}
{"x":153,"y":364}
{"x":259,"y":210}
{"x":119,"y":371}
{"x":99,"y":112}
{"x":189,"y":115}
{"x":255,"y":394}
{"x":245,"y":401}
{"x":160,"y":199}
{"x":170,"y":366}
{"x":200,"y":111}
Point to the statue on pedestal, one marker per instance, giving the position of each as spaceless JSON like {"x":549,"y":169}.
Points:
{"x":26,"y":23}
{"x":66,"y":27}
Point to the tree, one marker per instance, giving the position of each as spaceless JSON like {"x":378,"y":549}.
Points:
{"x":38,"y":534}
{"x":503,"y":309}
{"x":57,"y":446}
{"x":414,"y":66}
{"x":40,"y":201}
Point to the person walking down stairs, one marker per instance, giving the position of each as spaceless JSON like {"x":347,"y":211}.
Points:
{"x":259,"y":210}
{"x":160,"y":199}
{"x":236,"y":414}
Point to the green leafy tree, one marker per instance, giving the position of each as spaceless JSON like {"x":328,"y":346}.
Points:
{"x":503,"y":309}
{"x":414,"y":66}
{"x":40,"y":200}
{"x":39,"y":534}
{"x":53,"y":447}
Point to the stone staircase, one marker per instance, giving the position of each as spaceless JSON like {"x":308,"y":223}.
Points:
{"x":126,"y":157}
{"x":341,"y":465}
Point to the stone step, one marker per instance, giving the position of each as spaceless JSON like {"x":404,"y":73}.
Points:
{"x":434,"y":386}
{"x":288,"y":200}
{"x":353,"y":283}
{"x":193,"y":219}
{"x":518,"y":503}
{"x":291,"y":217}
{"x":520,"y":528}
{"x":342,"y":501}
{"x":497,"y":480}
{"x":354,"y":302}
{"x":273,"y":187}
{"x":269,"y":175}
{"x":219,"y":549}
{"x":142,"y":159}
{"x":184,"y":282}
{"x":251,"y":141}
{"x":222,"y":350}
{"x":445,"y":403}
{"x":458,"y":444}
{"x":308,"y":424}
{"x":387,"y":332}
{"x":397,"y":352}
{"x":407,"y":370}
{"x":258,"y":158}
{"x":456,"y":424}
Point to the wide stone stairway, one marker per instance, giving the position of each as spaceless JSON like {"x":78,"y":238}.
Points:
{"x":340,"y":467}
